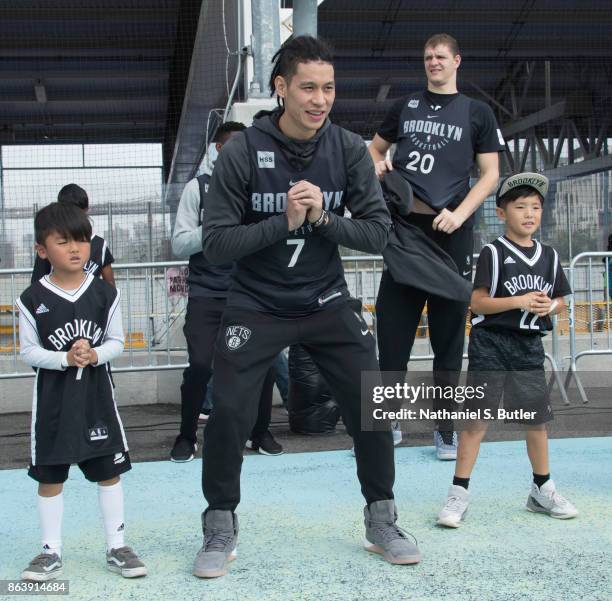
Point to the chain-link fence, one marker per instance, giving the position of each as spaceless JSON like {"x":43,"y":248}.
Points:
{"x":127,"y":209}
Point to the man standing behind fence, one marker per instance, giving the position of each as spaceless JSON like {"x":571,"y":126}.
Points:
{"x":208,"y":288}
{"x":276,"y":207}
{"x":440,"y":135}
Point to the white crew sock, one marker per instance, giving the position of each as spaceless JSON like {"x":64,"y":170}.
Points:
{"x":111,"y":504}
{"x":51,"y":512}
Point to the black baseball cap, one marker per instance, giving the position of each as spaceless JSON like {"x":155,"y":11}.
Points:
{"x":537,"y":181}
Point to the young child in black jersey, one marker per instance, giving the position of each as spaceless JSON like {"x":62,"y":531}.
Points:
{"x":100,"y":259}
{"x":69,"y":330}
{"x":519,"y":284}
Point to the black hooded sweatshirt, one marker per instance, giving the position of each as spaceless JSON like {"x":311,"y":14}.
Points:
{"x":278,"y":271}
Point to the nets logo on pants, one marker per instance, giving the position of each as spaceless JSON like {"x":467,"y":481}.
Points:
{"x":236,"y":337}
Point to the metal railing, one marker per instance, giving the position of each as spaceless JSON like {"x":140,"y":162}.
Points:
{"x":598,"y":317}
{"x":151,"y":315}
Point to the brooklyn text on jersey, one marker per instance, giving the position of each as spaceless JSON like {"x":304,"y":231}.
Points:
{"x":73,"y":330}
{"x":276,"y":202}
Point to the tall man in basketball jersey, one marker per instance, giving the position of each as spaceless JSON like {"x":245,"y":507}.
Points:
{"x":440,"y":135}
{"x":208,"y":289}
{"x":519,"y":285}
{"x":276,"y":206}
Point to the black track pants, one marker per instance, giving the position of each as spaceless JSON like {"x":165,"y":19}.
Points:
{"x":399,"y":308}
{"x":340,"y":345}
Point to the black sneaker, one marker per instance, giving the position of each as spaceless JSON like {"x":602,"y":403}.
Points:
{"x":266,"y":445}
{"x":183,"y":450}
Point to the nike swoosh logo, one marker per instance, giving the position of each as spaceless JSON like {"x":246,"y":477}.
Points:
{"x":365,"y":333}
{"x":292,"y":183}
{"x":432,"y":116}
{"x":467,"y":272}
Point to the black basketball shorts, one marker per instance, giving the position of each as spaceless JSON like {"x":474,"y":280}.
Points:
{"x":97,"y":469}
{"x":509,"y":365}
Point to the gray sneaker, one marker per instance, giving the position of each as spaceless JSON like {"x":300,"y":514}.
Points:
{"x":220,"y":529}
{"x":383,"y":536}
{"x":446,"y":444}
{"x":125,"y":562}
{"x":46,"y":566}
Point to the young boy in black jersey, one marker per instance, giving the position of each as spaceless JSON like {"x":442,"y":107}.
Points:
{"x":100,"y":259}
{"x":69,"y":330}
{"x":519,"y":285}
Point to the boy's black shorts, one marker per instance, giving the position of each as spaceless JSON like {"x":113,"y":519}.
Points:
{"x":96,"y":469}
{"x":509,"y":364}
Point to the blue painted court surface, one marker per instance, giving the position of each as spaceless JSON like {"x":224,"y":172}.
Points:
{"x":301,"y":530}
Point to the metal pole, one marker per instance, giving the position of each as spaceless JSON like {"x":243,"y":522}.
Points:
{"x":265,"y":42}
{"x":150,"y":229}
{"x":109,"y":212}
{"x":605,"y":193}
{"x":548,"y":102}
{"x":569,"y":227}
{"x":3,"y":237}
{"x":151,"y":337}
{"x":572,"y":325}
{"x":547,"y":86}
{"x":305,"y":17}
{"x":32,"y":251}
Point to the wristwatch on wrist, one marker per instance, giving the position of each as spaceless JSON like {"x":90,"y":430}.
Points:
{"x":322,"y":220}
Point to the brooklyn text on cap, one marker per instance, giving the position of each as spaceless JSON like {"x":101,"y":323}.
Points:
{"x":537,"y":181}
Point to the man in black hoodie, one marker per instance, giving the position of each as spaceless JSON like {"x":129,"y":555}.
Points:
{"x":276,"y":207}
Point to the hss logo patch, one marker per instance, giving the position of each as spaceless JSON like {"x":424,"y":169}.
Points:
{"x":236,"y":337}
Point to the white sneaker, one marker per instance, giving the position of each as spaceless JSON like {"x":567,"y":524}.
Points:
{"x":446,"y":447}
{"x":455,"y":507}
{"x":547,"y":500}
{"x":396,"y":430}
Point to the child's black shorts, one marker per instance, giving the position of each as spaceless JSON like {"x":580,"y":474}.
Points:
{"x":509,"y":364}
{"x":96,"y":469}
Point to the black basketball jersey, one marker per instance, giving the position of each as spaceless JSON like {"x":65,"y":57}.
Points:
{"x":303,"y":272}
{"x":205,"y":279}
{"x":99,"y":257}
{"x":513,"y":273}
{"x":435,"y":150}
{"x":74,"y":415}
